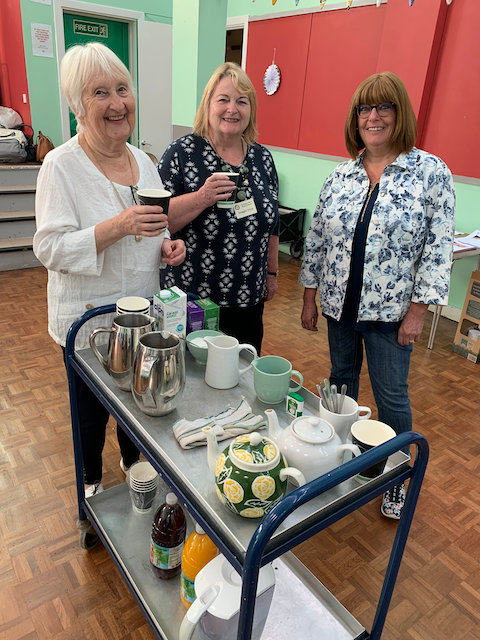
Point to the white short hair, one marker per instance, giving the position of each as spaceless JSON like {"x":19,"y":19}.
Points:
{"x":81,"y":64}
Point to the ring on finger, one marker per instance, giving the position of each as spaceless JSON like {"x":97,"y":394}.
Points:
{"x":411,"y":341}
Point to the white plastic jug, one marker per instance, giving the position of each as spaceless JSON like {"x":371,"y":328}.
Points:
{"x":223,"y":370}
{"x":215,"y":612}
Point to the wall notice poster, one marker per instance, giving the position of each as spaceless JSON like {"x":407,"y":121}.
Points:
{"x":42,"y":42}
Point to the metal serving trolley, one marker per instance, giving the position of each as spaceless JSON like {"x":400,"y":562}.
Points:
{"x":301,"y":606}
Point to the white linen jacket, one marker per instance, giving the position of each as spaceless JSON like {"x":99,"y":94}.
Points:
{"x":408,"y":252}
{"x":72,"y":197}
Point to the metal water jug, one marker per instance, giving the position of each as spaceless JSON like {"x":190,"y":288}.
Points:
{"x":158,"y":378}
{"x":125,"y":332}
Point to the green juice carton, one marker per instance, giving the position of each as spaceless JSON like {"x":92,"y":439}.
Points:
{"x":212,"y":314}
{"x":170,"y":311}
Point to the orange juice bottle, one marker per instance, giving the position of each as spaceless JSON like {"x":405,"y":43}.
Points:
{"x":197,"y":552}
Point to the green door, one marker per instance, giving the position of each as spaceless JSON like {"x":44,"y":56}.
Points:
{"x":80,"y":29}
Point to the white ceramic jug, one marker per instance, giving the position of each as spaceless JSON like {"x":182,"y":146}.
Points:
{"x":223,"y":370}
{"x":215,"y":611}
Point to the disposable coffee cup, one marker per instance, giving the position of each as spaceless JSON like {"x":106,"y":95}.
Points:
{"x":133,"y":304}
{"x":229,"y":202}
{"x":367,"y":434}
{"x":142,"y":481}
{"x":158,"y":197}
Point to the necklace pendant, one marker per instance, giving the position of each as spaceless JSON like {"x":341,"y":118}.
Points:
{"x":138,"y":238}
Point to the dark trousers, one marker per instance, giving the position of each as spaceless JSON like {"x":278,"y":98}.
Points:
{"x":244,"y":323}
{"x":93,"y":418}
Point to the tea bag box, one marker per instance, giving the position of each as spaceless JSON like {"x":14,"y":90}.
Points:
{"x":170,"y":311}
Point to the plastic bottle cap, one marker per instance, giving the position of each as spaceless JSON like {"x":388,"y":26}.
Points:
{"x":199,"y":530}
{"x":171,"y":498}
{"x":165,"y":293}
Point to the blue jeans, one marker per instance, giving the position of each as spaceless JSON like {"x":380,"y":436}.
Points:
{"x":388,"y":365}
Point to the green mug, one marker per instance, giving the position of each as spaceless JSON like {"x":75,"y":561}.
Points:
{"x":271,"y":379}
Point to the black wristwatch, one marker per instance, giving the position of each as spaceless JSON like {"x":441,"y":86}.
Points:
{"x":272,"y":273}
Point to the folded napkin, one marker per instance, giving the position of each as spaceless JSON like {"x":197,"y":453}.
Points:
{"x":228,"y":424}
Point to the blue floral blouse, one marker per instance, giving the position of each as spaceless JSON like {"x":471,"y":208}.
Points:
{"x":408,"y":253}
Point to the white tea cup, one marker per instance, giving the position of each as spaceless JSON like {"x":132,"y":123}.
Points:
{"x":342,"y":422}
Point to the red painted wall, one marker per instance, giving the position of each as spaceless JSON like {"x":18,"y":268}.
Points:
{"x":324,"y":56}
{"x":452,"y":130}
{"x":339,"y":58}
{"x":279,"y":115}
{"x":13,"y":74}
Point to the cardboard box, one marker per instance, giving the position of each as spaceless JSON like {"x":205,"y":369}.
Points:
{"x":170,"y":311}
{"x":463,"y":344}
{"x":212,"y":314}
{"x":195,"y":316}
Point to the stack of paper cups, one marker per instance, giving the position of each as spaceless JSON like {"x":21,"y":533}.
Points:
{"x":133,"y":304}
{"x":142,"y":481}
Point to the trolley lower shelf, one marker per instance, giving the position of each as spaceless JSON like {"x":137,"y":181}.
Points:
{"x":302,"y":607}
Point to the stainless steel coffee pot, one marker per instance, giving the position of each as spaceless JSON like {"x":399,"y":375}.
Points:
{"x":158,"y":377}
{"x":125,"y":332}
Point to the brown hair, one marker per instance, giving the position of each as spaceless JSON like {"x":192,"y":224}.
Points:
{"x":383,"y":87}
{"x":242,"y":84}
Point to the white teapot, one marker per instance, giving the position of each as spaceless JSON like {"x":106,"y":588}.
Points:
{"x":310,"y":444}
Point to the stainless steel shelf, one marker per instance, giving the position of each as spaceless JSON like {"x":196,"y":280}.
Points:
{"x":302,"y":607}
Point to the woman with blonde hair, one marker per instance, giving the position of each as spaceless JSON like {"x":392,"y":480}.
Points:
{"x":232,"y":253}
{"x":379,"y":250}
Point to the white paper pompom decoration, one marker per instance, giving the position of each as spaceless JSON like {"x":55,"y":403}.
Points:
{"x":271,"y":79}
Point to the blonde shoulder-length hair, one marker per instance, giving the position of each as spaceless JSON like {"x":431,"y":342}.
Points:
{"x":383,"y":87}
{"x":243,"y":85}
{"x":80,"y":65}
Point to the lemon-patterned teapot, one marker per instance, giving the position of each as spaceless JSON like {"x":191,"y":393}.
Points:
{"x":251,"y":474}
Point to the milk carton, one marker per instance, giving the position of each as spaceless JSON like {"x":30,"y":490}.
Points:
{"x":170,"y":311}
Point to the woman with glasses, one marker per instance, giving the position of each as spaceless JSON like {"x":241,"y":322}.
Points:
{"x":379,"y":251}
{"x":96,"y":242}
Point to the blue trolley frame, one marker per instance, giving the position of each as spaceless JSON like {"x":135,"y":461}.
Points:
{"x":259,"y":551}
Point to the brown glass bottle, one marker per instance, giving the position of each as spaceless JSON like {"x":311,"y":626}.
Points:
{"x":168,"y":536}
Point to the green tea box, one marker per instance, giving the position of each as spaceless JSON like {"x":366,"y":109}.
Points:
{"x":212,"y":313}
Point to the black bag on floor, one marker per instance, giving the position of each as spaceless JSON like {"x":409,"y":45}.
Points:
{"x":13,"y":145}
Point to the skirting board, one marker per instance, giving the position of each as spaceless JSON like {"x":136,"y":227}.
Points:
{"x":452,"y":313}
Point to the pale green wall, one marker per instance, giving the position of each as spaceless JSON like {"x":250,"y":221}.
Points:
{"x":199,"y":39}
{"x":262,"y":7}
{"x":42,"y":73}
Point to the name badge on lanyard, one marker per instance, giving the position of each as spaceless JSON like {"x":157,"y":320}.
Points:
{"x":245,"y":208}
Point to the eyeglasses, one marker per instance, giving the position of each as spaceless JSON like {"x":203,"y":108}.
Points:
{"x":383,"y":109}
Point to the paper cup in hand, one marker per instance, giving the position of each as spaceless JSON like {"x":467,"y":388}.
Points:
{"x":230,"y":201}
{"x":367,"y":434}
{"x":158,"y":197}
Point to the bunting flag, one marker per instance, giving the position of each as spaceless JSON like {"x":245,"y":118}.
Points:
{"x":349,"y":3}
{"x":379,"y":2}
{"x":296,"y":2}
{"x":322,"y":3}
{"x":449,"y":1}
{"x":410,"y":2}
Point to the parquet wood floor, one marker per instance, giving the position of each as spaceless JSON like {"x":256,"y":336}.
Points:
{"x":50,"y":589}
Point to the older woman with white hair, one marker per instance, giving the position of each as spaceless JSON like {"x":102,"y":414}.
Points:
{"x":97,"y":243}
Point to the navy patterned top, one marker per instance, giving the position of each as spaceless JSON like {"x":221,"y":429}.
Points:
{"x":226,"y":257}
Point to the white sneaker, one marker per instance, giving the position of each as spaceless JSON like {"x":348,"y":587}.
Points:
{"x":93,"y":489}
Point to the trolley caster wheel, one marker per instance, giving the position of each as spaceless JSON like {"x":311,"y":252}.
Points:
{"x":296,"y":249}
{"x":88,"y":538}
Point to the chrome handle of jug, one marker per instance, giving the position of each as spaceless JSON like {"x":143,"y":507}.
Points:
{"x":251,"y":348}
{"x":94,"y":347}
{"x":198,"y":608}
